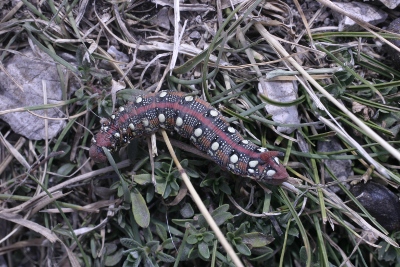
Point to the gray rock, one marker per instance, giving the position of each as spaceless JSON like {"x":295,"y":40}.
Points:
{"x":22,"y":87}
{"x":365,"y":12}
{"x":380,"y":202}
{"x":281,"y":92}
{"x":394,"y":55}
{"x":392,"y":4}
{"x":340,"y":168}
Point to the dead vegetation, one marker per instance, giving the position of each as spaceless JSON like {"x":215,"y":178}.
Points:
{"x":282,"y":74}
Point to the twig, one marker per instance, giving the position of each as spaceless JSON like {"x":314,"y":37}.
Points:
{"x":201,"y":206}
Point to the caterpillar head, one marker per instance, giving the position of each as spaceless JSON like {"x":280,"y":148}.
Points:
{"x":96,"y":151}
{"x":103,"y":139}
{"x":272,"y":171}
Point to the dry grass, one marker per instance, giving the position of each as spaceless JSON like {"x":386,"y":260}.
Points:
{"x":59,"y":208}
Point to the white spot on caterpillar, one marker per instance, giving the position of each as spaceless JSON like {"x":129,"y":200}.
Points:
{"x":117,"y":135}
{"x":163,"y":94}
{"x":179,"y":122}
{"x":234,"y":158}
{"x":231,"y":166}
{"x":145,"y":122}
{"x":271,"y":173}
{"x":250,"y":170}
{"x":121,"y":109}
{"x":246,"y":142}
{"x":131,"y":126}
{"x":215,"y":146}
{"x":213,"y":113}
{"x":262,"y":149}
{"x":276,"y":160}
{"x":124,"y":130}
{"x":253,"y":163}
{"x":231,"y":129}
{"x":139,"y":99}
{"x":189,"y":98}
{"x":161,"y":118}
{"x":198,"y":132}
{"x":113,"y":116}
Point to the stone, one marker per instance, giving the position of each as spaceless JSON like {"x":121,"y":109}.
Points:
{"x":364,"y":12}
{"x":21,"y":85}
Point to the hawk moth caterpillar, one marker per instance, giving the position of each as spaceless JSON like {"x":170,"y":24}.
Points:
{"x":194,"y":119}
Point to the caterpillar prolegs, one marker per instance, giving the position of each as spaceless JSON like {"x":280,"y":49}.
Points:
{"x":194,"y":119}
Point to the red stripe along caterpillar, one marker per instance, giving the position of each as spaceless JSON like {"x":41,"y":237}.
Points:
{"x":194,"y":119}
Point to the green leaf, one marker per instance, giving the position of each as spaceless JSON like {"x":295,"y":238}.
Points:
{"x":139,"y":208}
{"x":182,"y":222}
{"x":123,"y":183}
{"x":256,"y":239}
{"x":114,"y":259}
{"x":191,"y":63}
{"x":345,"y":78}
{"x":220,"y":209}
{"x":303,"y":255}
{"x":160,"y":187}
{"x":153,"y":245}
{"x":386,"y":252}
{"x":151,"y":262}
{"x":266,"y":253}
{"x":129,"y":243}
{"x":161,"y":231}
{"x":110,"y":248}
{"x":241,"y":230}
{"x":62,"y":231}
{"x":219,"y":215}
{"x":192,"y":239}
{"x":134,"y":255}
{"x":243,"y":249}
{"x":171,"y":243}
{"x":230,"y":228}
{"x":187,"y":211}
{"x":184,"y":163}
{"x":150,"y":193}
{"x":206,"y":182}
{"x":208,"y":237}
{"x":167,"y":191}
{"x":142,"y":179}
{"x":93,"y":248}
{"x":293,"y":232}
{"x":148,"y":236}
{"x":79,"y":56}
{"x":174,"y":185}
{"x":66,"y":169}
{"x":222,"y":217}
{"x":159,"y":172}
{"x":225,"y":188}
{"x":100,"y":74}
{"x":134,"y":259}
{"x":192,"y":173}
{"x":204,"y":251}
{"x":165,"y":166}
{"x":164,"y":257}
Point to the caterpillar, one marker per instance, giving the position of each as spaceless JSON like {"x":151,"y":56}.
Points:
{"x":194,"y":119}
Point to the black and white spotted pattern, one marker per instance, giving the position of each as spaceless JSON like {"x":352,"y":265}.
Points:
{"x":194,"y":119}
